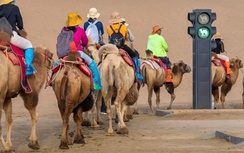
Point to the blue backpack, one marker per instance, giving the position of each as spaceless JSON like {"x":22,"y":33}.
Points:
{"x":64,"y":41}
{"x":92,"y":31}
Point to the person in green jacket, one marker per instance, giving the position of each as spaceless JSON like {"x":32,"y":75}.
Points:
{"x":157,"y":44}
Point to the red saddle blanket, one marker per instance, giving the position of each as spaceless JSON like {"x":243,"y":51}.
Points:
{"x":219,"y":62}
{"x":83,"y":67}
{"x":17,"y":58}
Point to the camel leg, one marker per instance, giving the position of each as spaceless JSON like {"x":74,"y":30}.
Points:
{"x":157,"y":93}
{"x":215,"y":93}
{"x":7,"y":107}
{"x":128,"y":113}
{"x":98,"y":106}
{"x":150,"y":90}
{"x":79,"y":137}
{"x":110,"y":114}
{"x":65,"y":131}
{"x":86,"y":121}
{"x":30,"y":102}
{"x":226,"y":87}
{"x":136,"y":112}
{"x":117,"y":103}
{"x":170,"y":89}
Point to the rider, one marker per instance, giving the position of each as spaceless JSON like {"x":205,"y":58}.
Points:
{"x":157,"y":44}
{"x":220,"y":49}
{"x":93,"y":16}
{"x":12,"y":13}
{"x":115,"y":23}
{"x":81,"y":41}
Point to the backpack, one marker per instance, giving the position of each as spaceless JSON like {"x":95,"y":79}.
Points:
{"x":92,"y":31}
{"x":65,"y":40}
{"x":117,"y":38}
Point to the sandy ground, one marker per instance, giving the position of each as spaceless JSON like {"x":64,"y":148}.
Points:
{"x":147,"y":133}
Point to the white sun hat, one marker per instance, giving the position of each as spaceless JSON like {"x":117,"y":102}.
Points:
{"x":93,"y":13}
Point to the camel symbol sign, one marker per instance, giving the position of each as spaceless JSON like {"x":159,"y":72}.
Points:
{"x":203,"y":32}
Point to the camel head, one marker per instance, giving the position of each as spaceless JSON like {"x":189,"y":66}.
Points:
{"x":181,"y":67}
{"x":236,"y":64}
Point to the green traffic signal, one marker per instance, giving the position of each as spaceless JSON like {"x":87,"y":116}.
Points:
{"x":203,"y":32}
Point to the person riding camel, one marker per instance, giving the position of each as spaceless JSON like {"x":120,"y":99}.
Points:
{"x":157,"y":44}
{"x":118,"y":28}
{"x":80,"y":40}
{"x":220,"y":49}
{"x":12,"y":13}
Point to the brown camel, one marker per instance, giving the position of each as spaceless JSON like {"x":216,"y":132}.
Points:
{"x":10,"y":85}
{"x":219,"y":79}
{"x":243,"y":92}
{"x":119,"y":86}
{"x":73,"y":90}
{"x":154,"y":78}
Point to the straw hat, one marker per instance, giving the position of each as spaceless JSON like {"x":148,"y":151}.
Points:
{"x":155,"y":29}
{"x":115,"y":18}
{"x":124,"y":22}
{"x":218,"y":36}
{"x":73,"y":19}
{"x":6,"y":1}
{"x":93,"y":13}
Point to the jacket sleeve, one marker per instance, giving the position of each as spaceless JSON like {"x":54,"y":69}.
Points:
{"x":19,"y":20}
{"x":84,"y":39}
{"x":164,"y":44}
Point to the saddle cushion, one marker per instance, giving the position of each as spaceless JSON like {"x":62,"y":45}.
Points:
{"x":126,"y":58}
{"x":219,"y":62}
{"x":83,"y":67}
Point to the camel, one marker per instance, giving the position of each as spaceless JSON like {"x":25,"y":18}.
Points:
{"x":73,"y":90}
{"x":220,"y":80}
{"x":154,"y":78}
{"x":10,"y":85}
{"x":243,"y":92}
{"x":119,"y":86}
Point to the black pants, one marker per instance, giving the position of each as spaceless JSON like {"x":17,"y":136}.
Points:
{"x":131,"y":52}
{"x":103,"y":107}
{"x":166,"y":61}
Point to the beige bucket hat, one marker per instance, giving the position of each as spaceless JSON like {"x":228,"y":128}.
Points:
{"x":93,"y":13}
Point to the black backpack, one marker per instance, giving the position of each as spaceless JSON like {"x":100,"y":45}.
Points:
{"x":117,"y":38}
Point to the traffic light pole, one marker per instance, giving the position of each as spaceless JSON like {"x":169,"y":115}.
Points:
{"x":202,"y":32}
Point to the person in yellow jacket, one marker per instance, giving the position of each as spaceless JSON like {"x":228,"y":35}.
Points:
{"x":220,"y":49}
{"x":115,"y":27}
{"x":157,"y":44}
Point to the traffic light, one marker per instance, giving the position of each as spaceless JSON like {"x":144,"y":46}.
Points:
{"x":202,"y":31}
{"x":201,"y":20}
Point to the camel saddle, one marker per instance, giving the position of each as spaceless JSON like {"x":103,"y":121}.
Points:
{"x":83,"y":67}
{"x":219,"y":62}
{"x":16,"y":56}
{"x":156,"y":63}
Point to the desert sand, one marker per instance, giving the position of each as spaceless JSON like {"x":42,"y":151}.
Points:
{"x":43,"y":20}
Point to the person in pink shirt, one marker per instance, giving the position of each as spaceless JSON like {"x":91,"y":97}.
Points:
{"x":81,"y":41}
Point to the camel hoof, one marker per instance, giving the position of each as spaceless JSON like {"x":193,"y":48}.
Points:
{"x":86,"y":123}
{"x":100,"y":123}
{"x":7,"y":151}
{"x":129,"y":116}
{"x":135,"y":112}
{"x":110,"y":134}
{"x":79,"y":141}
{"x":34,"y":146}
{"x":63,"y":146}
{"x":123,"y":131}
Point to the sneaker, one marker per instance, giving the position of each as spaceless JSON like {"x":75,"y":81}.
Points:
{"x":103,"y":113}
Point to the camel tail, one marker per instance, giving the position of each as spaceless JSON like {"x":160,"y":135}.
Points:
{"x":110,"y":76}
{"x":64,"y":83}
{"x":143,"y":72}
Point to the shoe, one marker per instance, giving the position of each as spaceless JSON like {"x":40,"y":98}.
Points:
{"x":103,"y":113}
